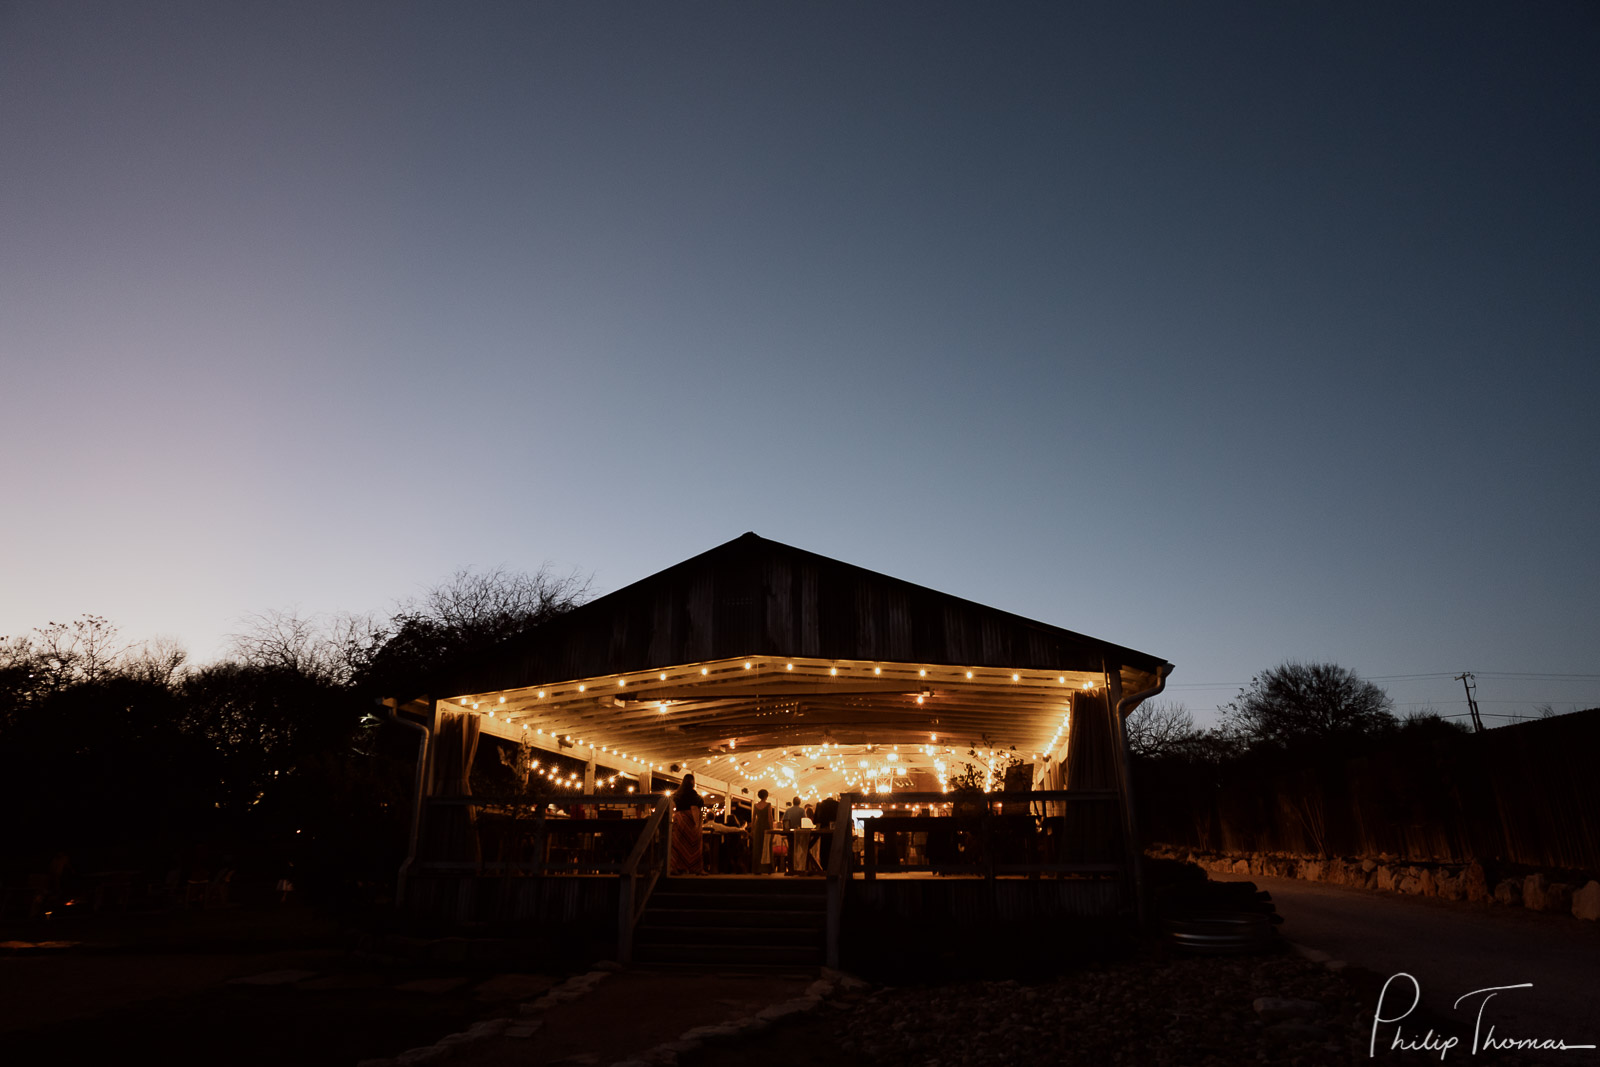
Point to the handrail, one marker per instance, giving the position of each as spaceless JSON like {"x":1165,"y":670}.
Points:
{"x":631,"y":864}
{"x":630,"y":903}
{"x":869,"y":800}
{"x":637,"y":800}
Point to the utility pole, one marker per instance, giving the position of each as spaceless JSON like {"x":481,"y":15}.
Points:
{"x":1471,"y":686}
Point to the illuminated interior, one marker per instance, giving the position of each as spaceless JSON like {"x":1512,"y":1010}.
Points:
{"x":797,"y":727}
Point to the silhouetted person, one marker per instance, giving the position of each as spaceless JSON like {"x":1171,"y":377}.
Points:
{"x":761,"y":833}
{"x":685,"y":856}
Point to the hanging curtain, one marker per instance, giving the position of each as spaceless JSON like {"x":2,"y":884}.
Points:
{"x":454,"y":837}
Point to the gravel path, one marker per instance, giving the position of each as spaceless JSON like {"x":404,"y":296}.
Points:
{"x":1453,"y":948}
{"x":1156,"y":1009}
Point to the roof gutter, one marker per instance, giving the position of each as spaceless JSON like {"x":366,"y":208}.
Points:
{"x":1125,"y":707}
{"x":423,"y":740}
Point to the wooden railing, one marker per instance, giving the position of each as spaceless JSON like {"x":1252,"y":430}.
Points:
{"x":990,"y":834}
{"x":1059,"y":833}
{"x":517,"y":837}
{"x":647,"y":861}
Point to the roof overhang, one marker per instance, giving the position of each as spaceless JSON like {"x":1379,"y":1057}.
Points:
{"x":795,"y":725}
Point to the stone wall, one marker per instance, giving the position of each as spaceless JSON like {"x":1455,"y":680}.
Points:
{"x":1537,"y":891}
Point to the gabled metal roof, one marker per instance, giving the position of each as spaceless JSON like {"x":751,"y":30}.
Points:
{"x":761,"y":663}
{"x":757,"y":597}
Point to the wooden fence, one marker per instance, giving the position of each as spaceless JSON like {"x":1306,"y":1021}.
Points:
{"x":1523,"y":794}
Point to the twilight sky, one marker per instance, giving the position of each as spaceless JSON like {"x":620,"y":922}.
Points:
{"x":1234,"y":333}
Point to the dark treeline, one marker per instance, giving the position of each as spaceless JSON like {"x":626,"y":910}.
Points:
{"x":1311,"y":759}
{"x":275,"y":761}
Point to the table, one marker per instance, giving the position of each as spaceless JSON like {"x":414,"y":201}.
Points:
{"x":803,"y":844}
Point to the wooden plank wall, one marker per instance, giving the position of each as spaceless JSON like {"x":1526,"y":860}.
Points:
{"x":464,"y":899}
{"x":757,"y":597}
{"x":1522,"y":794}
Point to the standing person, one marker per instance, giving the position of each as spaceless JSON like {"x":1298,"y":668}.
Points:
{"x":827,"y":815}
{"x":793,"y":816}
{"x":760,"y":833}
{"x":685,"y":855}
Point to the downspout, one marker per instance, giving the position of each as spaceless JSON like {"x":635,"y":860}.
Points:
{"x":417,"y":798}
{"x":1131,"y":824}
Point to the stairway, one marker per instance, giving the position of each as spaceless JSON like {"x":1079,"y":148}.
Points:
{"x":741,"y":921}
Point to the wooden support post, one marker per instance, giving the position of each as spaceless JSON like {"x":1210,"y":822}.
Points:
{"x":588,"y":774}
{"x":1130,"y":826}
{"x":838,"y":875}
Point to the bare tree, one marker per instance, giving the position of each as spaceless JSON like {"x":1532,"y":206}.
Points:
{"x":499,"y":601}
{"x":1298,"y":703}
{"x":159,"y":661}
{"x":286,"y":640}
{"x":468,"y":615}
{"x":83,"y":650}
{"x":1158,"y":728}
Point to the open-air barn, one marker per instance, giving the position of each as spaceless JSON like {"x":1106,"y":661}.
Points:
{"x":954,"y":764}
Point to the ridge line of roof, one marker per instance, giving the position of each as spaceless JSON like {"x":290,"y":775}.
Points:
{"x":756,"y":539}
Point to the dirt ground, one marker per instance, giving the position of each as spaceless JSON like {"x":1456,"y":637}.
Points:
{"x":168,"y":984}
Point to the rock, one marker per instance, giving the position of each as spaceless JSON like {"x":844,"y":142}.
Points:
{"x":609,"y":966}
{"x":1535,"y":892}
{"x":1558,"y":898}
{"x":1474,"y":883}
{"x":786,"y":1008}
{"x":1277,"y":1009}
{"x":1296,"y":1030}
{"x":1427,"y":884}
{"x":1311,"y":871}
{"x":1449,"y":885}
{"x":285,"y":977}
{"x":1410,"y":884}
{"x":1508,"y":891}
{"x":431,"y":985}
{"x":1386,"y":878}
{"x":1586,"y":902}
{"x":1241,"y":866}
{"x":1369,"y":865}
{"x":513,"y":987}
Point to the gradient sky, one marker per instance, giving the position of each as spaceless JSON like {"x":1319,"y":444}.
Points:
{"x":1234,"y":333}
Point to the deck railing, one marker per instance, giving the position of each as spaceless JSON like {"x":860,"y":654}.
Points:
{"x":519,"y":838}
{"x":1054,"y":834}
{"x":644,"y":867}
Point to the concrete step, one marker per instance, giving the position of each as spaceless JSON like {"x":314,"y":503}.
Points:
{"x":736,"y":903}
{"x":754,"y":936}
{"x":773,"y":956}
{"x":776,"y":884}
{"x":772,"y":918}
